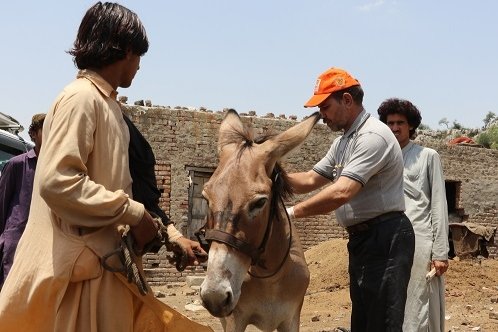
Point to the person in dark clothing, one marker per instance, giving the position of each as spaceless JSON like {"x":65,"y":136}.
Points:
{"x":145,"y":191}
{"x":16,"y":187}
{"x":142,"y":161}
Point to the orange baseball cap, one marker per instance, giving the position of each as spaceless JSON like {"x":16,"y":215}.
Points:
{"x":332,"y":80}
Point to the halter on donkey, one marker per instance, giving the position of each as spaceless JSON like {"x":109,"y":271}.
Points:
{"x":256,"y":272}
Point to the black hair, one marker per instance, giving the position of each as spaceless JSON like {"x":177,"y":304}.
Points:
{"x":403,"y":107}
{"x":355,"y":91}
{"x":36,"y":124}
{"x":106,"y":33}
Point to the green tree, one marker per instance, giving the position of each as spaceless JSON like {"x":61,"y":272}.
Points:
{"x":444,"y":121}
{"x":489,"y":138}
{"x":423,"y":126}
{"x":489,"y":119}
{"x":456,"y":125}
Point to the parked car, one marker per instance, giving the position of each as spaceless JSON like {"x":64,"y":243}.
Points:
{"x":11,"y":144}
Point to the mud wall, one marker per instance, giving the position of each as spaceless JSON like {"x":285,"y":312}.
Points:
{"x":186,"y":138}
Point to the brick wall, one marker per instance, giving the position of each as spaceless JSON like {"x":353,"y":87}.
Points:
{"x":477,"y":171}
{"x":183,"y":138}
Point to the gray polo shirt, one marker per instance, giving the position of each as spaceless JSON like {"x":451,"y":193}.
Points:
{"x":370,"y":154}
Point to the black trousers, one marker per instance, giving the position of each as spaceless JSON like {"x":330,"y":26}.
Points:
{"x":380,"y":261}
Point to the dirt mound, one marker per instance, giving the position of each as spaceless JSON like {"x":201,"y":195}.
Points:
{"x":328,"y":265}
{"x":471,"y":289}
{"x":471,"y":293}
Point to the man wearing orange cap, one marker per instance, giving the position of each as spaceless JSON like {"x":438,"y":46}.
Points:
{"x":363,"y":177}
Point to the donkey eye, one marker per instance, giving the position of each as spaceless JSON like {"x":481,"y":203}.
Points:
{"x":259,"y":203}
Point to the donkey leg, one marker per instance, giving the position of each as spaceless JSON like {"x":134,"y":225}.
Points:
{"x":292,"y":324}
{"x":289,"y":326}
{"x":231,"y":324}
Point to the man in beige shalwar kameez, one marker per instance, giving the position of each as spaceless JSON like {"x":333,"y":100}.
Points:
{"x":82,"y":196}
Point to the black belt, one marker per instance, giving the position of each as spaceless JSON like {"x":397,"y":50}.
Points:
{"x":366,"y":225}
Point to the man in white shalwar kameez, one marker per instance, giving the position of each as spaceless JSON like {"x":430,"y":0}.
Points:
{"x":425,"y":200}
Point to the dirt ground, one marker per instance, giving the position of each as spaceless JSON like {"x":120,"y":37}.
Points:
{"x":471,"y":294}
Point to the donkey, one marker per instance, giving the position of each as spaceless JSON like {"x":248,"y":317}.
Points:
{"x":256,"y":270}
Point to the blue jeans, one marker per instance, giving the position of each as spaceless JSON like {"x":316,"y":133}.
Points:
{"x":380,"y":261}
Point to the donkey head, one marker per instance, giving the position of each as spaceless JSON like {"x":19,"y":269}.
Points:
{"x":239,"y":195}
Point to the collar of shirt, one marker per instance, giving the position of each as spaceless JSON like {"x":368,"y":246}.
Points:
{"x":406,"y":150}
{"x":99,"y":82}
{"x":31,"y":153}
{"x":407,"y":147}
{"x":357,"y":122}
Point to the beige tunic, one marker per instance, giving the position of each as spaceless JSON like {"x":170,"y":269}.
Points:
{"x":81,"y":195}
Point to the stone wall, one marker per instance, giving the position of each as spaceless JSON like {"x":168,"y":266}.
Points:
{"x":183,"y":138}
{"x":477,"y":168}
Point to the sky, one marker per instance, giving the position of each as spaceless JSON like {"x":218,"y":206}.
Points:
{"x":265,"y":55}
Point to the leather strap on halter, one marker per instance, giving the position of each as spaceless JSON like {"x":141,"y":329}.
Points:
{"x":229,"y":239}
{"x":254,"y":253}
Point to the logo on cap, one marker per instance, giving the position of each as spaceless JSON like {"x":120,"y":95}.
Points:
{"x":340,"y":81}
{"x":317,"y":85}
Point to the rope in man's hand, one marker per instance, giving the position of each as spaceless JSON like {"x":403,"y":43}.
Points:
{"x":167,"y":236}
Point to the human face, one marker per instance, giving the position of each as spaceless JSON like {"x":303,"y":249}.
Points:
{"x":398,"y":123}
{"x":37,"y":139}
{"x":130,"y":67}
{"x":334,"y":113}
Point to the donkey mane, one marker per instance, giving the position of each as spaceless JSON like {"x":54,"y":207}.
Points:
{"x":281,"y":185}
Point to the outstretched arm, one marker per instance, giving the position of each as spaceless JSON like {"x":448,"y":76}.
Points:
{"x":329,"y":199}
{"x":304,"y":182}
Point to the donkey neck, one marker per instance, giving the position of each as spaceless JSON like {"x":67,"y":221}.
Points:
{"x":277,"y":247}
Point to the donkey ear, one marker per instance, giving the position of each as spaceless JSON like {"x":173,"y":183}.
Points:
{"x":283,"y":143}
{"x":231,"y":124}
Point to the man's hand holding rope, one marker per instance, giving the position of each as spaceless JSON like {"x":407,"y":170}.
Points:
{"x":144,"y":232}
{"x":150,"y":230}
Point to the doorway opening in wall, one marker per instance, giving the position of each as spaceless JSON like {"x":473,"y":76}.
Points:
{"x":455,"y":212}
{"x":453,"y":195}
{"x":197,"y":205}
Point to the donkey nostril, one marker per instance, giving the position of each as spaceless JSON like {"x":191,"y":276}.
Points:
{"x":228,"y":299}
